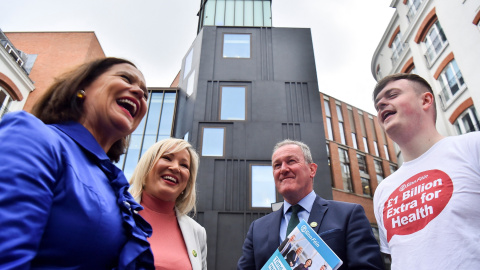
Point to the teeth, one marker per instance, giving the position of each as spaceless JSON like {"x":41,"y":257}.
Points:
{"x":170,"y":178}
{"x":134,"y":106}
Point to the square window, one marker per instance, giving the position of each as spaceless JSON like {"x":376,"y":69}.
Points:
{"x":233,"y":103}
{"x":263,"y":186}
{"x":213,"y":142}
{"x":236,"y":45}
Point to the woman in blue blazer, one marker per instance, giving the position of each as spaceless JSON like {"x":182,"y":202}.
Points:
{"x":63,"y":203}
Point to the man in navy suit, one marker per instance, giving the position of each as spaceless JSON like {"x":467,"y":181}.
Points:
{"x":343,"y":226}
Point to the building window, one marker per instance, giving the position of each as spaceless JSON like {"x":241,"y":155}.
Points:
{"x":236,"y":45}
{"x":375,"y":145}
{"x":188,"y":64}
{"x":233,"y":103}
{"x":397,"y":48}
{"x":393,"y":168}
{"x":213,"y":142}
{"x":155,"y":126}
{"x":236,"y":13}
{"x":354,"y":140}
{"x":379,"y":170}
{"x":467,"y":121}
{"x":345,"y":166}
{"x":340,"y":124}
{"x":362,"y":164}
{"x":365,"y":143}
{"x":435,"y":42}
{"x":413,"y":6}
{"x":366,"y":186}
{"x":451,"y":80}
{"x":191,"y":83}
{"x":5,"y":102}
{"x":263,"y":186}
{"x":186,"y":137}
{"x":328,"y":116}
{"x":385,"y":148}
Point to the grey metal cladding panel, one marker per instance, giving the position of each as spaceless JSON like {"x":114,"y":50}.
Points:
{"x":293,"y":56}
{"x":298,"y":102}
{"x":232,"y":229}
{"x":230,"y":185}
{"x":212,"y":101}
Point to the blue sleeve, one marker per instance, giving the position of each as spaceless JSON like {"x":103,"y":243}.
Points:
{"x":28,"y":169}
{"x":363,"y":251}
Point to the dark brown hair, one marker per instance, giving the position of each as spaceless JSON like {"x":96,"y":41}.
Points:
{"x":59,"y":103}
{"x":409,"y":77}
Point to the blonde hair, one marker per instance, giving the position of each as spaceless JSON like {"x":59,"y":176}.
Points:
{"x":186,"y":200}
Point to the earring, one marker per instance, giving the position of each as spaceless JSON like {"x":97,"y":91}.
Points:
{"x":81,"y":94}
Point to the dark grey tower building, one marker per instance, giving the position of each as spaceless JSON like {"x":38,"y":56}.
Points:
{"x":244,"y":86}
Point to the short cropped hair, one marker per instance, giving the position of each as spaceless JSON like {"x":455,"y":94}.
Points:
{"x":59,"y":103}
{"x":424,"y":85}
{"x":186,"y":201}
{"x":307,"y":155}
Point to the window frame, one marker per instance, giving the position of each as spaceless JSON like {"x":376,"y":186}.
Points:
{"x":237,"y":57}
{"x":447,"y":94}
{"x":250,"y":176}
{"x":459,"y":123}
{"x":203,"y":142}
{"x":432,"y":50}
{"x":220,"y":108}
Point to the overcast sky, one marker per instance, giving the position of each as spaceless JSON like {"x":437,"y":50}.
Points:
{"x":156,"y":34}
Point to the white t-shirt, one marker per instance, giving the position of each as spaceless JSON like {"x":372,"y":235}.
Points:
{"x":428,"y":212}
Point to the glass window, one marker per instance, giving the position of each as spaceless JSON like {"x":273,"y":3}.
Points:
{"x":345,"y":167}
{"x":188,"y":63}
{"x":329,"y":120}
{"x":263,"y":186}
{"x":393,"y":168}
{"x":435,"y":42}
{"x":230,"y":13}
{"x":379,"y":170}
{"x":236,"y":46}
{"x":233,"y":103}
{"x":248,"y":21}
{"x":365,"y":144}
{"x":413,"y":6}
{"x":340,"y":124}
{"x":375,"y":145}
{"x":220,"y":12}
{"x":5,"y":101}
{"x":209,"y":18}
{"x":397,"y":47}
{"x":451,"y":80}
{"x":186,"y":137}
{"x":467,"y":121}
{"x":238,"y":13}
{"x":385,"y":148}
{"x":191,"y":83}
{"x":354,"y":140}
{"x":366,"y":186}
{"x":156,"y":125}
{"x":362,"y":164}
{"x":213,"y":142}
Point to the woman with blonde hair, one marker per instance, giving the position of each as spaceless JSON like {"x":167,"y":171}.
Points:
{"x":164,"y":184}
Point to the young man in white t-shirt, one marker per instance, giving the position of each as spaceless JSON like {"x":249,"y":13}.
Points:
{"x":428,"y":211}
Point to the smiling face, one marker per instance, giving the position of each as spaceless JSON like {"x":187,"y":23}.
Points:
{"x":308,"y":263}
{"x":169,"y":176}
{"x":115,"y":103}
{"x":293,"y":176}
{"x":400,"y":108}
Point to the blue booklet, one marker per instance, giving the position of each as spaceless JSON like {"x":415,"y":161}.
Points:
{"x":303,"y":249}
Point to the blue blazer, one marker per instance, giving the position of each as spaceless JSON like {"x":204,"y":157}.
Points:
{"x":343,"y":226}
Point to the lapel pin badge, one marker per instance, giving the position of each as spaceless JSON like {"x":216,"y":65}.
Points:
{"x":313,"y":224}
{"x":194,"y":253}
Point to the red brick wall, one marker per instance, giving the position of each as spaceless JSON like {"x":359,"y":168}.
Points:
{"x":57,"y":52}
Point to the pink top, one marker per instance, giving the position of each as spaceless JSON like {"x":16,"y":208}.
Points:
{"x":168,"y":246}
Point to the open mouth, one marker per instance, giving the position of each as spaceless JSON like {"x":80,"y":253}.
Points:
{"x":386,"y":114}
{"x":128,"y":105}
{"x":170,"y":179}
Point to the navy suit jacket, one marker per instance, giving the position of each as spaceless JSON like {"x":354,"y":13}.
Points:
{"x":343,"y":226}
